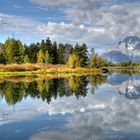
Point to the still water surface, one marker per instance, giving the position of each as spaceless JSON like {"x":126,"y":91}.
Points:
{"x":103,"y":107}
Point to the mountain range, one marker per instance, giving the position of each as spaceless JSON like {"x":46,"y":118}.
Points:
{"x":128,"y":86}
{"x":126,"y":50}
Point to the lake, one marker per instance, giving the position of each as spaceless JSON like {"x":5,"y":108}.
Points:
{"x":76,"y":108}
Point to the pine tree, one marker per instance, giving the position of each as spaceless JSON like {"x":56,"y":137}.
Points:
{"x":46,"y":45}
{"x":2,"y":58}
{"x":61,"y":54}
{"x":17,"y":52}
{"x":32,"y":52}
{"x":53,"y":53}
{"x":81,"y":50}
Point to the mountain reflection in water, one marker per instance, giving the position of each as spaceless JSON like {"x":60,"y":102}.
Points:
{"x":74,"y":108}
{"x":127,"y":85}
{"x":14,"y":92}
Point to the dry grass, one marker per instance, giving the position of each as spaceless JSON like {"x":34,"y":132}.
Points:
{"x":44,"y":70}
{"x":18,"y":67}
{"x":58,"y":69}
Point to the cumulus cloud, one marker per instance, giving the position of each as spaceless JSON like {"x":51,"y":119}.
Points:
{"x":62,"y":30}
{"x":118,"y":118}
{"x":110,"y":20}
{"x":66,"y":32}
{"x":98,"y":23}
{"x":51,"y":136}
{"x":70,"y":32}
{"x":19,"y":112}
{"x":118,"y":20}
{"x":19,"y":26}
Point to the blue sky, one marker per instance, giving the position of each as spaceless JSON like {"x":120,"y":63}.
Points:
{"x":98,"y":23}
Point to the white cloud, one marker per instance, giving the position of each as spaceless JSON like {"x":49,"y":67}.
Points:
{"x":19,"y":112}
{"x":52,"y":2}
{"x":98,"y":23}
{"x":117,"y":20}
{"x":20,"y":26}
{"x":113,"y":121}
{"x":30,"y":29}
{"x":72,"y":33}
{"x":17,"y":6}
{"x":108,"y":20}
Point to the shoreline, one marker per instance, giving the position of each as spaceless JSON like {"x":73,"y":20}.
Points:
{"x":13,"y":70}
{"x":38,"y":70}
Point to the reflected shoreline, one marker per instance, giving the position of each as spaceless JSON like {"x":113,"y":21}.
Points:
{"x":14,"y":89}
{"x":71,"y":108}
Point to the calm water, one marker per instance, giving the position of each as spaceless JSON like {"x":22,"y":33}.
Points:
{"x":99,"y":107}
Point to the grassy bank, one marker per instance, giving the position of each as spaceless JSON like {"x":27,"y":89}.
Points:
{"x":120,"y":68}
{"x":31,"y":72}
{"x":34,"y":69}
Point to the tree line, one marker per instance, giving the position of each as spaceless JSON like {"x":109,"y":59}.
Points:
{"x":48,"y":52}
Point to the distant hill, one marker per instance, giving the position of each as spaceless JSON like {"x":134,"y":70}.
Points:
{"x":126,"y":50}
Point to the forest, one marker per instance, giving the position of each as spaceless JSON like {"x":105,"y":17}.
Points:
{"x":13,"y":51}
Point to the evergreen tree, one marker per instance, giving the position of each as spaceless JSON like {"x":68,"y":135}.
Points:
{"x":83,"y":55}
{"x":43,"y":46}
{"x":17,"y":52}
{"x":53,"y":53}
{"x":81,"y":50}
{"x":32,"y":52}
{"x":46,"y":45}
{"x":2,"y":58}
{"x":61,"y":54}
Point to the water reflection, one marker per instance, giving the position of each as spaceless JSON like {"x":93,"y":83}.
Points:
{"x":48,"y":89}
{"x":74,"y":108}
{"x":127,"y":85}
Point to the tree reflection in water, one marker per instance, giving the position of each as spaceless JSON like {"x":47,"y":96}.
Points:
{"x":96,"y":81}
{"x":49,"y":89}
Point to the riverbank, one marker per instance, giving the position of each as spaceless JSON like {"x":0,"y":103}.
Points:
{"x":59,"y":70}
{"x":34,"y":69}
{"x":120,"y":68}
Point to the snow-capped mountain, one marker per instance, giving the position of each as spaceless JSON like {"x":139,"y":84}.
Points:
{"x":126,"y":50}
{"x":129,"y":86}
